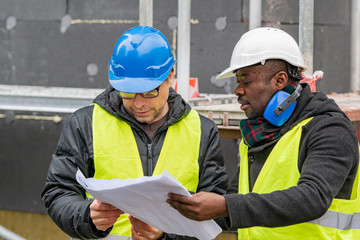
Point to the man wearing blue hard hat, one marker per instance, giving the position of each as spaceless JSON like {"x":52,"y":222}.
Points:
{"x":299,"y":153}
{"x":138,"y":127}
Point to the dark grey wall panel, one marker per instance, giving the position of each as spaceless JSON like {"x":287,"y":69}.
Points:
{"x":212,"y":42}
{"x":163,"y":9}
{"x":332,"y":55}
{"x":332,"y":12}
{"x":287,"y":11}
{"x":210,"y":10}
{"x":211,"y":54}
{"x":33,"y":9}
{"x":26,"y":147}
{"x":34,"y":50}
{"x":292,"y":29}
{"x":44,"y":56}
{"x":104,"y":9}
{"x":5,"y":55}
{"x":276,"y":11}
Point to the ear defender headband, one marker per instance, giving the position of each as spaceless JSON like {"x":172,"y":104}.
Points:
{"x":281,"y":106}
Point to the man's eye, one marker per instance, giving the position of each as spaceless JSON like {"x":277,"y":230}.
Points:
{"x":241,"y":79}
{"x":243,"y":82}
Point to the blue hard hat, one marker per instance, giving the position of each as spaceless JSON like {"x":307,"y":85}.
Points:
{"x":141,"y":61}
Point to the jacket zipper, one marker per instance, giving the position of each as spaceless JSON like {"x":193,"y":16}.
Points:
{"x":149,"y":163}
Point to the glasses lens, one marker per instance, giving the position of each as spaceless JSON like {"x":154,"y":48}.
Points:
{"x":126,"y":95}
{"x":151,"y":94}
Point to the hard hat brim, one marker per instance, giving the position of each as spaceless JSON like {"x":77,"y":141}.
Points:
{"x":229,"y":72}
{"x":136,"y":85}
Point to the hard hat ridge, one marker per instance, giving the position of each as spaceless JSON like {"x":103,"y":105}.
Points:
{"x":261,"y":44}
{"x":141,"y":61}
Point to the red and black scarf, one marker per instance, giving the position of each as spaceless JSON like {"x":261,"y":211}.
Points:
{"x":252,"y":130}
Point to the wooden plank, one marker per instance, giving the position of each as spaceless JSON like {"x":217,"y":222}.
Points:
{"x":31,"y":226}
{"x":232,"y":132}
{"x":227,"y":236}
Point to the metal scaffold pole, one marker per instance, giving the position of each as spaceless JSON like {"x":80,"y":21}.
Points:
{"x":355,"y":46}
{"x":254,"y":14}
{"x":306,"y":32}
{"x":146,"y":13}
{"x":183,"y":52}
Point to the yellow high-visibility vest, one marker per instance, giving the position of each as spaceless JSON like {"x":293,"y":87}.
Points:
{"x":116,"y":154}
{"x":280,"y":171}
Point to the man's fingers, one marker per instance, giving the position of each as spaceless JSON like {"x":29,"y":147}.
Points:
{"x":141,"y":230}
{"x":100,"y":210}
{"x":104,"y":223}
{"x":106,"y":214}
{"x":183,"y":209}
{"x":181,"y":202}
{"x":99,"y":206}
{"x":135,"y":235}
{"x":180,"y":198}
{"x":201,"y":206}
{"x":139,"y":225}
{"x":136,"y":223}
{"x":103,"y":215}
{"x":103,"y":227}
{"x":175,"y":204}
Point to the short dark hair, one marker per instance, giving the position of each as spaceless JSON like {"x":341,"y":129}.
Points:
{"x":293,"y":72}
{"x":277,"y":65}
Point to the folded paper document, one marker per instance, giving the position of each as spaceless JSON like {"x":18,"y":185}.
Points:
{"x":145,"y":199}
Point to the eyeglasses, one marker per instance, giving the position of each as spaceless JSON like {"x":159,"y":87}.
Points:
{"x":150,"y":94}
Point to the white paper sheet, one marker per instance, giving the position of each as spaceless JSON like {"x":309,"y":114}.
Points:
{"x":145,"y":199}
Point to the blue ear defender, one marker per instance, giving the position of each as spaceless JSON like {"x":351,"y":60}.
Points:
{"x":281,"y":106}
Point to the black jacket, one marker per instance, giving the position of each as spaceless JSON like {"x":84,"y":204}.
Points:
{"x":328,"y":161}
{"x":65,"y":199}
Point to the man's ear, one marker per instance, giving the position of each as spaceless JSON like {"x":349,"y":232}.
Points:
{"x":171,"y":78}
{"x":280,"y":80}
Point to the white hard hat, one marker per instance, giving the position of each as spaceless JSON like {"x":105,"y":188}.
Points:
{"x":261,"y":44}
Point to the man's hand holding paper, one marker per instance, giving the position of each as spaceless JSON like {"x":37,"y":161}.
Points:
{"x":103,"y":215}
{"x":145,"y":199}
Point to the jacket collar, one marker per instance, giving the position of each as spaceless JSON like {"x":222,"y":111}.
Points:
{"x":112,"y":103}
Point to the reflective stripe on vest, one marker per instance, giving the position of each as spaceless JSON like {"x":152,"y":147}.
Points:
{"x":280,"y":172}
{"x":116,"y":154}
{"x":341,"y":221}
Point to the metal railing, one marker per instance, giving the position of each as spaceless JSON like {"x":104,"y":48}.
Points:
{"x":6,"y":234}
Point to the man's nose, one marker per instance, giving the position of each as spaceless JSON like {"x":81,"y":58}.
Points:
{"x":139,"y":101}
{"x":239,"y":90}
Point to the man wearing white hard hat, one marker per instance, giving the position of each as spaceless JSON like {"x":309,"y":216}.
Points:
{"x":299,"y":154}
{"x":137,"y":127}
